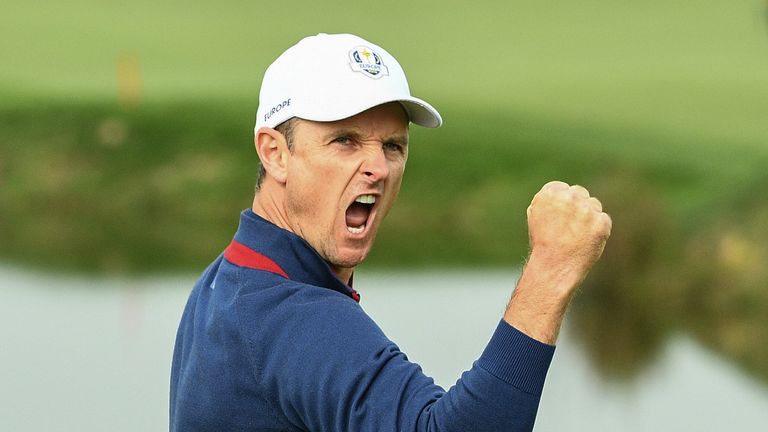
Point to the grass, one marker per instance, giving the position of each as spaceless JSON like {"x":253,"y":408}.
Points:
{"x":158,"y":187}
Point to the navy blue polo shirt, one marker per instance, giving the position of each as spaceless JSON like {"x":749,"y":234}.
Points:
{"x":272,"y":340}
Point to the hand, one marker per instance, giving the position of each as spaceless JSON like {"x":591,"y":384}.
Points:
{"x":568,"y":230}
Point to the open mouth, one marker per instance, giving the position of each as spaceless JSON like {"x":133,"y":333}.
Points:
{"x":358,"y":213}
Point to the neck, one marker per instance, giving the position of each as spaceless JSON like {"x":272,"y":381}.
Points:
{"x":268,"y":206}
{"x":344,"y":274}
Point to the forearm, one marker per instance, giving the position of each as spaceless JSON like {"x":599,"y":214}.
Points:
{"x":541,"y":298}
{"x":568,"y":230}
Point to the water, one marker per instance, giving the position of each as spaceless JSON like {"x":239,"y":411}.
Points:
{"x":91,"y":354}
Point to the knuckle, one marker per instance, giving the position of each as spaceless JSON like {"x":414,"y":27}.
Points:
{"x":555,"y":185}
{"x":595,"y":203}
{"x":607,"y":223}
{"x":584,"y":209}
{"x":581,"y":190}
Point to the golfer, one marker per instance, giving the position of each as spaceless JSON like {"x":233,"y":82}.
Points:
{"x":273,"y":337}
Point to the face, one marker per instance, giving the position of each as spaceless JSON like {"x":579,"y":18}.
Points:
{"x":343,"y":178}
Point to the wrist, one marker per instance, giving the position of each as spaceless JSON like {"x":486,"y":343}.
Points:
{"x":558,"y":276}
{"x":541,"y":298}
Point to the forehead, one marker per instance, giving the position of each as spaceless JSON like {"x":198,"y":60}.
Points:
{"x":381,"y":121}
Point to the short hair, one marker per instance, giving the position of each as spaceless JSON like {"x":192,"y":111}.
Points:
{"x":286,"y":128}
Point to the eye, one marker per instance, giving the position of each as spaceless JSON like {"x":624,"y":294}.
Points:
{"x":342,"y":140}
{"x":393,"y":146}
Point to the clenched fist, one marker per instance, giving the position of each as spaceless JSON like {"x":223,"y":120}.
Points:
{"x":568,"y":230}
{"x":567,"y":227}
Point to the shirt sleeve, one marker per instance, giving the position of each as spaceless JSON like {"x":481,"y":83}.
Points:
{"x":331,"y":368}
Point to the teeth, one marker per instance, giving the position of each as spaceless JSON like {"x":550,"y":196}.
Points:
{"x":356,"y":230}
{"x":366,"y":199}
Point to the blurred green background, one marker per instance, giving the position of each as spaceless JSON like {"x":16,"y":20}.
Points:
{"x":126,"y":144}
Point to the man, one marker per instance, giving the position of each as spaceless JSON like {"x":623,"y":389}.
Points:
{"x":273,"y":339}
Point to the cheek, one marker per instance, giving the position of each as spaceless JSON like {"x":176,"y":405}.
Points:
{"x":396,"y":172}
{"x":312,"y":191}
{"x":395,"y":181}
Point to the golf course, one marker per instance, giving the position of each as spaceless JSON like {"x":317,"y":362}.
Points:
{"x":126,"y":145}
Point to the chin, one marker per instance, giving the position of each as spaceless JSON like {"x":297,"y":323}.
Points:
{"x":349,"y":259}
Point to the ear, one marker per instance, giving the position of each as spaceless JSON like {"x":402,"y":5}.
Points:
{"x":272,"y":149}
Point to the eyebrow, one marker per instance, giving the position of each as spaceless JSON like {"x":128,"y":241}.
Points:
{"x":397,"y":139}
{"x":342,"y":131}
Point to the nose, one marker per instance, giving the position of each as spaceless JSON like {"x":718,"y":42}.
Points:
{"x":375,"y":166}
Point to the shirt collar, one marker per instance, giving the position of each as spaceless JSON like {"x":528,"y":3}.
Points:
{"x":291,"y":253}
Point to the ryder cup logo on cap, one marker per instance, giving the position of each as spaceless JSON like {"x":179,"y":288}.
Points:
{"x":331,"y":77}
{"x":365,"y":60}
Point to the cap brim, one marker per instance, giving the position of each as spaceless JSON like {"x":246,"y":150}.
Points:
{"x":419,"y":112}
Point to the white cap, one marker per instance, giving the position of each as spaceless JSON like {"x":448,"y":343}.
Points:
{"x":332,"y":77}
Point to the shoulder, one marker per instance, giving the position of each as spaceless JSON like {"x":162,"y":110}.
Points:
{"x":289,"y":306}
{"x":299,"y":319}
